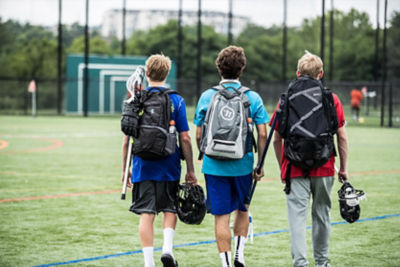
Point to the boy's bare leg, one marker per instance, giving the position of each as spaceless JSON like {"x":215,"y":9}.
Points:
{"x":146,"y":230}
{"x":169,"y":220}
{"x":146,"y":233}
{"x":223,"y":236}
{"x":240,"y":230}
{"x":222,"y":232}
{"x":241,"y":223}
{"x":169,"y":224}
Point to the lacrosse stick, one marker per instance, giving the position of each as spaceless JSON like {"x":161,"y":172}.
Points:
{"x":260,"y":165}
{"x":134,"y":82}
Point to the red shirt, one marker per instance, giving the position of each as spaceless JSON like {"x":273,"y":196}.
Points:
{"x":326,"y":170}
{"x":356,"y":97}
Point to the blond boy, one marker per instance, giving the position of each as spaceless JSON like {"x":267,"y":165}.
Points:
{"x":317,"y":182}
{"x":155,"y":182}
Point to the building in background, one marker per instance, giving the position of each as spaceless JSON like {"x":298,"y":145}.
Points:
{"x":147,"y":19}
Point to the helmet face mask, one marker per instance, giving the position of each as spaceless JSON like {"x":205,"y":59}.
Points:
{"x":190,"y":203}
{"x":349,"y":200}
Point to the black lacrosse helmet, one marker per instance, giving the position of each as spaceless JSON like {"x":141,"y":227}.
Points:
{"x":349,"y":200}
{"x":190,"y":203}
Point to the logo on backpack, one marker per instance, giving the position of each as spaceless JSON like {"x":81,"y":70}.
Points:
{"x":225,"y":134}
{"x":227,"y":113}
{"x":154,"y":141}
{"x":307,"y":122}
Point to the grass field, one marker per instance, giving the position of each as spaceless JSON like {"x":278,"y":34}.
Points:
{"x":60,"y":201}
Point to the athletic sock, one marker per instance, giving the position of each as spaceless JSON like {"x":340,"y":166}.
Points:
{"x":240,"y":241}
{"x":148,"y":257}
{"x":168,"y":241}
{"x":226,"y":259}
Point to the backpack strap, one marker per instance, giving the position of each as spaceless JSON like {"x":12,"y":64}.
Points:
{"x":287,"y":179}
{"x":219,"y":87}
{"x":244,"y":89}
{"x":284,"y":113}
{"x":170,"y":91}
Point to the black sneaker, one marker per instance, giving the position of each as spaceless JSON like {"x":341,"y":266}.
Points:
{"x":168,"y":260}
{"x":238,"y":264}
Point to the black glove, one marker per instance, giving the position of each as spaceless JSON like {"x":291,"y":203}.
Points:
{"x":130,"y":118}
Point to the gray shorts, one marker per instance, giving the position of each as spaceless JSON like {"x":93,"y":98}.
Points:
{"x":154,"y":197}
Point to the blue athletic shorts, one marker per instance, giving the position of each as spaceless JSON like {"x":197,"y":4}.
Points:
{"x":227,"y":194}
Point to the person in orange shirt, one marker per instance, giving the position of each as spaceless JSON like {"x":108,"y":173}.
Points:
{"x":356,"y":97}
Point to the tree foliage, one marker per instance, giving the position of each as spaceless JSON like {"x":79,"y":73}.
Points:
{"x":28,"y":51}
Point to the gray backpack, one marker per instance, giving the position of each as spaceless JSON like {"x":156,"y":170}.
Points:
{"x":226,"y":133}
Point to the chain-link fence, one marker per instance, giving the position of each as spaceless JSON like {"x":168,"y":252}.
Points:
{"x":15,"y":98}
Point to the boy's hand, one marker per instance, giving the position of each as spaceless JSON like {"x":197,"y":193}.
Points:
{"x":257,"y":176}
{"x":191,"y":178}
{"x":343,"y":176}
{"x":128,"y":182}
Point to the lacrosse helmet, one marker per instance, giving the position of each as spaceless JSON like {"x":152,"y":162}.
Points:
{"x":190,"y":203}
{"x":349,"y":200}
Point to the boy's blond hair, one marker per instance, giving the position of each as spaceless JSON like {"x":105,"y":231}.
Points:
{"x":310,"y":65}
{"x":157,"y":67}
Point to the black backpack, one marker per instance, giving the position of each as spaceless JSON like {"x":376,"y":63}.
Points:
{"x":307,"y":123}
{"x":154,"y":141}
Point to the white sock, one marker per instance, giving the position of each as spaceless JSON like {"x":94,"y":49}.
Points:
{"x":226,"y":258}
{"x":240,"y":241}
{"x":148,"y":257}
{"x":168,"y":241}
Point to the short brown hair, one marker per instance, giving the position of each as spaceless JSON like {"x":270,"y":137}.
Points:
{"x":157,"y":67}
{"x":231,"y":62}
{"x":310,"y":65}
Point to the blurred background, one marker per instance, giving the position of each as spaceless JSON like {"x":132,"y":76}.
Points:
{"x":79,"y":53}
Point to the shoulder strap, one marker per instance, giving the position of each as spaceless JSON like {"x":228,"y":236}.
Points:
{"x":218,"y":87}
{"x":287,"y":179}
{"x":244,"y":89}
{"x":330,"y":110}
{"x":170,"y":91}
{"x":283,"y":116}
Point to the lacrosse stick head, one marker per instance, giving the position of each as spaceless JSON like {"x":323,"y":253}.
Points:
{"x":349,"y":200}
{"x":135,"y":82}
{"x":190,"y":203}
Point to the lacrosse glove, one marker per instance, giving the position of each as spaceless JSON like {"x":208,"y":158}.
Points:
{"x":130,"y":118}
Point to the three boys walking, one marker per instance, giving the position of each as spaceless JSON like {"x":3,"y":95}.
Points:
{"x":229,"y":177}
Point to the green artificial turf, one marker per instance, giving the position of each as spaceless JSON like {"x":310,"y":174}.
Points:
{"x":73,"y":227}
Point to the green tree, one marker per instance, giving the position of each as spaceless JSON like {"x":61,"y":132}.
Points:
{"x":394,"y":47}
{"x":19,"y":49}
{"x":354,"y":46}
{"x":163,"y":39}
{"x":35,"y":55}
{"x":69,"y":33}
{"x":97,"y":45}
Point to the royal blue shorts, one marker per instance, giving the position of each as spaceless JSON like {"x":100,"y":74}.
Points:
{"x":227,"y":194}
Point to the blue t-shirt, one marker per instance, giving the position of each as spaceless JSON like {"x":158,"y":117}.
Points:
{"x":258,"y":115}
{"x":169,"y":168}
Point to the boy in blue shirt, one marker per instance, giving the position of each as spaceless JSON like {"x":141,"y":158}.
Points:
{"x":155,"y":183}
{"x":228,"y":181}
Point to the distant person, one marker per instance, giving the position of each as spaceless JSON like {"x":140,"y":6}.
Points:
{"x":155,"y":182}
{"x":306,"y":122}
{"x":225,"y":138}
{"x":356,"y":98}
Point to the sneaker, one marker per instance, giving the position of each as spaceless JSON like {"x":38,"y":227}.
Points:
{"x":168,"y":260}
{"x":238,"y":264}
